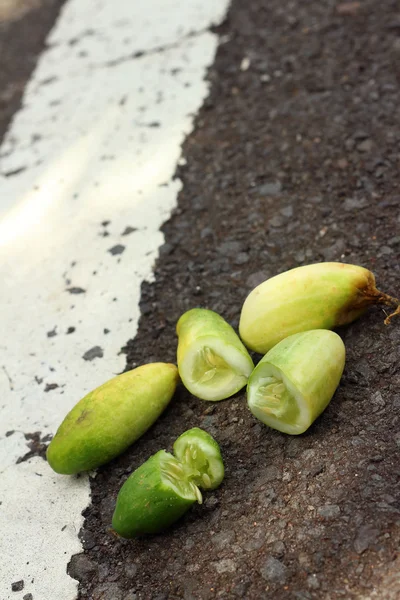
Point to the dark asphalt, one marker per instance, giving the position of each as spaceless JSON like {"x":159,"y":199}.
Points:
{"x":22,"y":37}
{"x":294,"y":160}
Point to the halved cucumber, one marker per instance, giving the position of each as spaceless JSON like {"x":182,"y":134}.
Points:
{"x":212,"y":361}
{"x":296,"y":379}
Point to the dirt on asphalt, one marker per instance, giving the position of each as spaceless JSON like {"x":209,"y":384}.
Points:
{"x":24,"y":25}
{"x":294,"y":159}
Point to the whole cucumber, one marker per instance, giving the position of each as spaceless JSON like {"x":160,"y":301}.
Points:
{"x":111,"y":417}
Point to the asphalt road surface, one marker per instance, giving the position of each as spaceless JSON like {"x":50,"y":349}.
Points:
{"x":294,"y":159}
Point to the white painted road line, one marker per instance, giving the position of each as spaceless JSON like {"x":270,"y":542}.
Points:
{"x":85,"y":184}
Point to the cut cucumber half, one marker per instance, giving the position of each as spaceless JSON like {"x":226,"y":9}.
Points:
{"x":200,"y":457}
{"x":296,"y":379}
{"x":212,"y":361}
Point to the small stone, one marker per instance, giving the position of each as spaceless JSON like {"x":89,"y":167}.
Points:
{"x":206,"y":232}
{"x":256,"y":541}
{"x":226,"y":565}
{"x":17,"y":586}
{"x":229,"y":248}
{"x":313,"y":582}
{"x":366,"y":536}
{"x":394,"y":241}
{"x":76,"y":290}
{"x":88,"y":541}
{"x":240,"y":589}
{"x":242,"y":258}
{"x":329,"y":511}
{"x":271,"y":473}
{"x":245,"y":64}
{"x":300,"y":256}
{"x":272,"y":188}
{"x":278,"y":549}
{"x":342,"y":163}
{"x":274,"y":570}
{"x":385,"y":251}
{"x":377,"y":401}
{"x":302,"y":595}
{"x":277,"y":221}
{"x":27,"y":597}
{"x":365,"y":146}
{"x":80,"y":566}
{"x":355,"y":204}
{"x":224,"y":539}
{"x":335,"y":251}
{"x":348,"y":8}
{"x":255,"y":279}
{"x":108,"y":591}
{"x":287,"y":211}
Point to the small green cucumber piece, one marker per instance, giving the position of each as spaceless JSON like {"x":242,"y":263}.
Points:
{"x":155,"y":496}
{"x":212,"y":361}
{"x":295,"y":381}
{"x":111,"y":417}
{"x":201,"y":457}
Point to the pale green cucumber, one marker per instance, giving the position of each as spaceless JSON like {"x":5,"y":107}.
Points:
{"x":212,"y":361}
{"x":295,"y":381}
{"x":318,"y":296}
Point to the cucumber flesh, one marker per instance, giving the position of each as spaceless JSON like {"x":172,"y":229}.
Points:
{"x":214,"y":370}
{"x":200,"y":457}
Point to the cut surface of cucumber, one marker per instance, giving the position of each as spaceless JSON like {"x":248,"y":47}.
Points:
{"x":212,"y":361}
{"x":214,"y":370}
{"x":275,"y":402}
{"x":200,"y":457}
{"x":295,"y":381}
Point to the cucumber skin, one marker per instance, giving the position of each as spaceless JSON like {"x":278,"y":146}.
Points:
{"x":111,"y":417}
{"x":145,"y":505}
{"x":202,"y":322}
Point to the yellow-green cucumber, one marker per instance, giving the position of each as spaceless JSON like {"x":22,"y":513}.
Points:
{"x":111,"y":417}
{"x":318,"y":296}
{"x":213,"y":363}
{"x":295,"y":381}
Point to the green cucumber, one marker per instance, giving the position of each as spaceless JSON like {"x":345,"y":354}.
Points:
{"x":295,"y":381}
{"x":111,"y":417}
